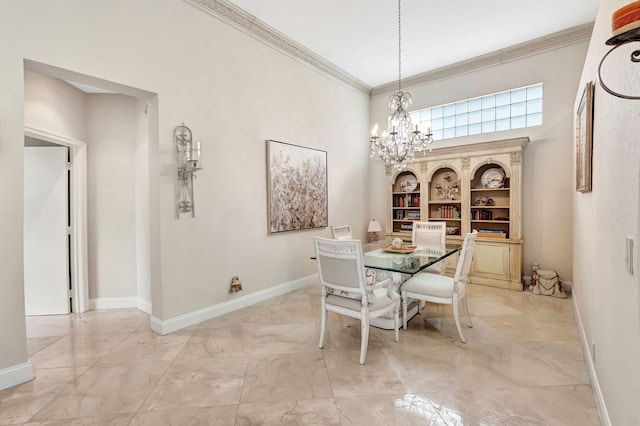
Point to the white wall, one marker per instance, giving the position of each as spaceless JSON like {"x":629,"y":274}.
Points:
{"x":547,"y":161}
{"x":142,"y":203}
{"x":111,"y":131}
{"x":54,"y":106}
{"x":233,"y":92}
{"x":607,"y":296}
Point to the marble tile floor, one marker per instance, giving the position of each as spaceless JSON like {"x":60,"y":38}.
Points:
{"x":522,"y":365}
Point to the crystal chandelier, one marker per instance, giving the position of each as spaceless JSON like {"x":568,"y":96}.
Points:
{"x":399,"y":143}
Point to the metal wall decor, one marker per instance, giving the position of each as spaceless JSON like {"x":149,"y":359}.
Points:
{"x":617,"y":42}
{"x":188,"y":163}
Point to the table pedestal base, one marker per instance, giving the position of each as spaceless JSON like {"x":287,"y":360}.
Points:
{"x":387,"y":323}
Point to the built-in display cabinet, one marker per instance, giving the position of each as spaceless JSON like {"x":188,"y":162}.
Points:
{"x":469,"y":187}
{"x":405,"y":200}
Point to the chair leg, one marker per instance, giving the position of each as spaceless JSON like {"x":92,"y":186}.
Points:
{"x":323,"y":323}
{"x":466,"y":310}
{"x":456,"y":316}
{"x":364,"y":325}
{"x":404,"y":310}
{"x":396,"y":322}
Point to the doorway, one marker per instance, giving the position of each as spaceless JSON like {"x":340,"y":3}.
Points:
{"x":47,"y":281}
{"x":55,"y":239}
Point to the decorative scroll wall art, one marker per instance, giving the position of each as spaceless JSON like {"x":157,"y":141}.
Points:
{"x":296,"y":187}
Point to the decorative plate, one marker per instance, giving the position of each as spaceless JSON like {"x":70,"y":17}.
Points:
{"x":408,"y":183}
{"x":493,"y":178}
{"x":404,"y":249}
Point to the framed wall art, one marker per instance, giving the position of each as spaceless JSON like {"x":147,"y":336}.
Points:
{"x":296,"y":187}
{"x":584,"y":139}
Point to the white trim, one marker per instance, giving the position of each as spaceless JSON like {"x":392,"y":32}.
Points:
{"x":244,"y":21}
{"x":144,"y":306}
{"x":121,"y":303}
{"x":79,"y":268}
{"x":113,"y":303}
{"x":249,"y":24}
{"x":536,"y":46}
{"x":593,"y":378}
{"x":195,"y":317}
{"x":15,"y":375}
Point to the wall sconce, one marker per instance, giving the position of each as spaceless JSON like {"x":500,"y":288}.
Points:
{"x":188,"y":156}
{"x":374,"y":228}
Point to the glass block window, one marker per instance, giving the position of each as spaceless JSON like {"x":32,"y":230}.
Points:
{"x":511,"y":109}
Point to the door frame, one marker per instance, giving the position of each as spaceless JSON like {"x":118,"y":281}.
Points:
{"x":78,"y":191}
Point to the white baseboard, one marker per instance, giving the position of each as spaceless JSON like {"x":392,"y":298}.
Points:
{"x":113,"y":303}
{"x":238,"y":302}
{"x":144,"y":306}
{"x":15,"y":375}
{"x":593,"y":378}
{"x":120,"y":303}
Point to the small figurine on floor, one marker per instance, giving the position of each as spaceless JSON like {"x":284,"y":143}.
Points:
{"x":236,"y":285}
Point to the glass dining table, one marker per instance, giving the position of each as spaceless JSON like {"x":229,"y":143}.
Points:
{"x":400,"y":266}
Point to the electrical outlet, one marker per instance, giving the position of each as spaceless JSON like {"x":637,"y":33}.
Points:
{"x":628,"y":254}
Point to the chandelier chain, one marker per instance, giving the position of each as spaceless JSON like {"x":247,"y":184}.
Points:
{"x":401,"y":140}
{"x":399,"y":49}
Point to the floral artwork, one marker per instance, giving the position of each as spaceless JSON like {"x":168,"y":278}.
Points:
{"x":297,"y":187}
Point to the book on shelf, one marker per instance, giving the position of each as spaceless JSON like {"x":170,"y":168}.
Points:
{"x":491,"y":233}
{"x":448,"y":212}
{"x":481,"y":215}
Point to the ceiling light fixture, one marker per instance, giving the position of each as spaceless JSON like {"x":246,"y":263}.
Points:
{"x":399,"y":143}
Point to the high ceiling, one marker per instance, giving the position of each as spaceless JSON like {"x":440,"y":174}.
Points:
{"x":361,"y":36}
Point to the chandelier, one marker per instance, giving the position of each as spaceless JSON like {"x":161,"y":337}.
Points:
{"x":399,"y":143}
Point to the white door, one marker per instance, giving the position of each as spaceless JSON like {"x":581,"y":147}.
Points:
{"x":46,"y":284}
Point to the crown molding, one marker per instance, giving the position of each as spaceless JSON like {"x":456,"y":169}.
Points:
{"x":251,"y":25}
{"x":536,"y":46}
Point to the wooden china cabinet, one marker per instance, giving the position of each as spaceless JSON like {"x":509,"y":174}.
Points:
{"x":469,"y":187}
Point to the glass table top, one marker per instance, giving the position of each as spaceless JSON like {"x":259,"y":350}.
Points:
{"x":376,"y":257}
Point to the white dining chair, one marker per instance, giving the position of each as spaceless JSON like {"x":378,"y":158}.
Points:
{"x":430,"y":235}
{"x":345,"y":290}
{"x":342,"y":232}
{"x":442,"y":289}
